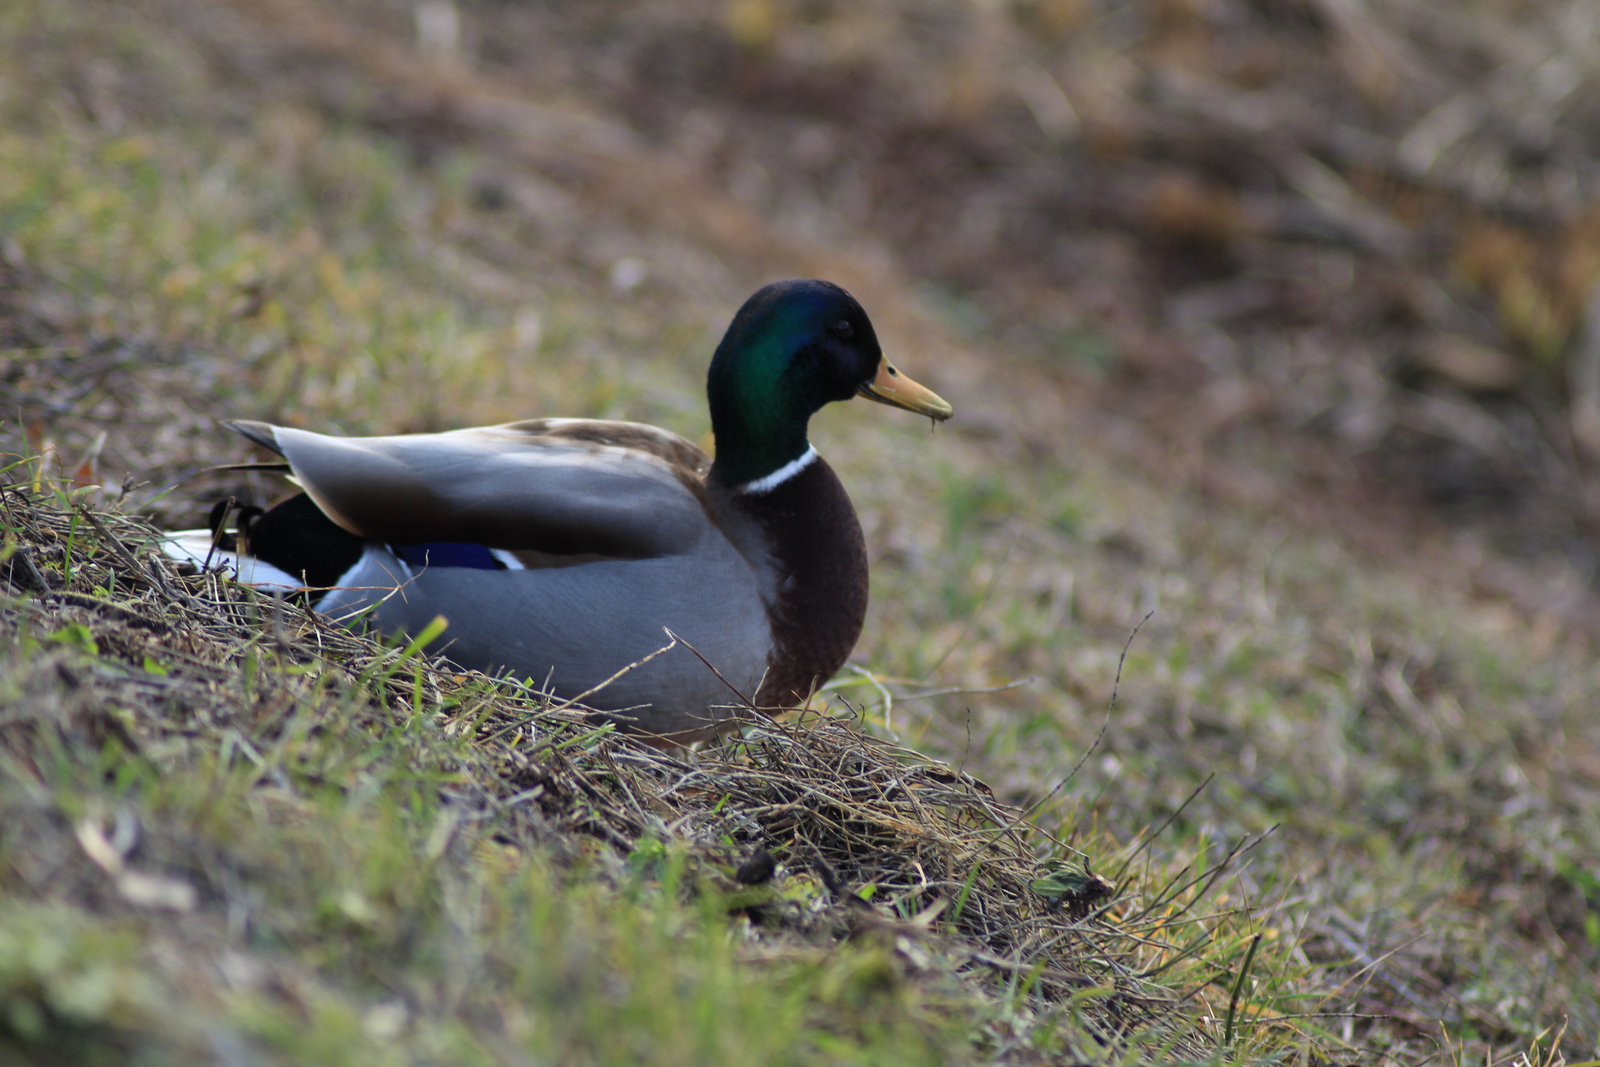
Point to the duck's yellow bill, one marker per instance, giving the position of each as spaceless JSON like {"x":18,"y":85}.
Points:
{"x":892,"y":387}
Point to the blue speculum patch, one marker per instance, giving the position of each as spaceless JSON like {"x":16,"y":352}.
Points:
{"x":447,"y":554}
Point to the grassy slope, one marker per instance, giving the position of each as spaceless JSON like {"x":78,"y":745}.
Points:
{"x":1429,"y":761}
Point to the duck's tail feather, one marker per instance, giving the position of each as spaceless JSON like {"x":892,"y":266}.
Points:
{"x":271,"y":468}
{"x":290,"y":546}
{"x":259,"y":432}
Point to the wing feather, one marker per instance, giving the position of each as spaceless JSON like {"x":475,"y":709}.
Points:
{"x":557,"y":486}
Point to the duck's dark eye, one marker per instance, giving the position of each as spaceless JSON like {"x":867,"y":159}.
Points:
{"x":842,"y":328}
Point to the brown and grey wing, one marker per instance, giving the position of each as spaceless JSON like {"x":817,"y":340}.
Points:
{"x":516,"y":487}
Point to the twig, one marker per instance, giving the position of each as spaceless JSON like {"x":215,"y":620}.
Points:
{"x":116,"y":546}
{"x":591,"y":691}
{"x":1099,"y":734}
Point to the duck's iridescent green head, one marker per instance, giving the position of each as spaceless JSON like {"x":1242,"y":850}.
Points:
{"x":793,"y":347}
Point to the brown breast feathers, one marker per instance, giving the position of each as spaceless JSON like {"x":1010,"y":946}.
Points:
{"x":822,"y":597}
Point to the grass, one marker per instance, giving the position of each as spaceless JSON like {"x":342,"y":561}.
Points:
{"x":1414,"y":766}
{"x":219,"y":809}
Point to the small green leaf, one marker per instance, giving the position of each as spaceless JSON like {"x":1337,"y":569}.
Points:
{"x":429,"y":633}
{"x":646,"y":854}
{"x":25,"y":1018}
{"x":77,"y":635}
{"x":1061,"y":882}
{"x":1075,"y":886}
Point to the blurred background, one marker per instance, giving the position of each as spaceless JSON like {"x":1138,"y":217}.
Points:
{"x":1348,"y":242}
{"x":1277,"y":318}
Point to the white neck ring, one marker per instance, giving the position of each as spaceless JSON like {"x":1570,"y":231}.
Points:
{"x":782,"y":474}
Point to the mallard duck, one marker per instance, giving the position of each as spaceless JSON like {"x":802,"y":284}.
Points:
{"x":564,"y":550}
